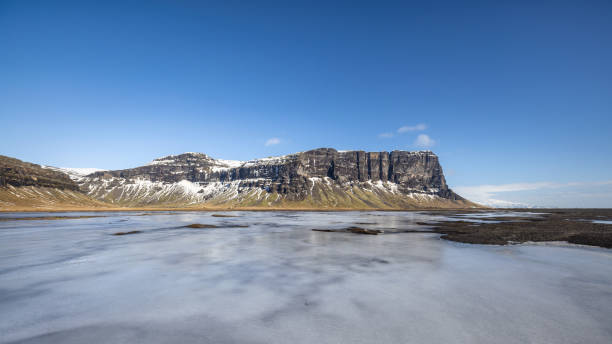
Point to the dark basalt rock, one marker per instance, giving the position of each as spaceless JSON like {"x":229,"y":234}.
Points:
{"x":355,"y":230}
{"x":188,"y":166}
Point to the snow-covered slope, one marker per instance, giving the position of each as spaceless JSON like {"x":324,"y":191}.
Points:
{"x":74,"y":172}
{"x":322,"y":192}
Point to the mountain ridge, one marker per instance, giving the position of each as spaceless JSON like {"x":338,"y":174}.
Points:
{"x":322,"y":178}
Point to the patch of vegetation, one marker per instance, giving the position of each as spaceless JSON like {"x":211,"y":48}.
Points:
{"x":200,"y":225}
{"x":127,"y":233}
{"x":356,"y":230}
{"x":571,"y":225}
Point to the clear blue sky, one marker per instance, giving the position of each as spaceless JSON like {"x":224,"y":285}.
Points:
{"x":506,"y":93}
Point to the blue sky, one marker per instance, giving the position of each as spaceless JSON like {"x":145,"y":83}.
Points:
{"x":513,"y":96}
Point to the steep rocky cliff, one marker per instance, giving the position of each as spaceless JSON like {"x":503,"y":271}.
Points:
{"x":320,"y":178}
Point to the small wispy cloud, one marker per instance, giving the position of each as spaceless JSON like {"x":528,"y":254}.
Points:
{"x":424,"y":141}
{"x":273,"y":141}
{"x":385,"y":135}
{"x":481,"y":193}
{"x":409,"y":128}
{"x":493,"y":195}
{"x":403,"y":130}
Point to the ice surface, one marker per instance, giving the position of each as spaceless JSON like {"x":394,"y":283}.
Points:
{"x":605,"y":222}
{"x":502,"y":214}
{"x":277,"y":281}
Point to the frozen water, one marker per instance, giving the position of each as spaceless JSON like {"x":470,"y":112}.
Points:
{"x":502,"y":214}
{"x":486,"y":216}
{"x":605,"y":222}
{"x":72,"y":281}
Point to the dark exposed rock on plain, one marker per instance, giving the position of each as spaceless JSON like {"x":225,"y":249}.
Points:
{"x":571,"y":225}
{"x":127,"y":233}
{"x":19,"y":173}
{"x":356,"y":230}
{"x":200,"y":225}
{"x":359,"y":230}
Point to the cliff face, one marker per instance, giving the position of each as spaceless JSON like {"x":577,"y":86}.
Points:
{"x":19,"y":173}
{"x":417,"y":171}
{"x":322,"y":177}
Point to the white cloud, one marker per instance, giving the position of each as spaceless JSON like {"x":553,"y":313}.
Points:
{"x":273,"y":141}
{"x":484,"y":194}
{"x":548,"y":192}
{"x":499,"y":203}
{"x":385,"y":135}
{"x":407,"y":128}
{"x":424,"y":141}
{"x":404,"y":129}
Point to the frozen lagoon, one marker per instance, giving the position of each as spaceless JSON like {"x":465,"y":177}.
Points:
{"x":277,"y":281}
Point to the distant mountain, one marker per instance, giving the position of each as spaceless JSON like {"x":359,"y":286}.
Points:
{"x":18,"y":173}
{"x":27,"y":186}
{"x":322,"y":178}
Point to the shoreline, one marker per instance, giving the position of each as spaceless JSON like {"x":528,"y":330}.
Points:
{"x":167,"y":209}
{"x":574,"y":226}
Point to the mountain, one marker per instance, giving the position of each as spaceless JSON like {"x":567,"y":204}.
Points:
{"x":18,"y":173}
{"x":319,"y":178}
{"x":322,"y":178}
{"x":27,"y":186}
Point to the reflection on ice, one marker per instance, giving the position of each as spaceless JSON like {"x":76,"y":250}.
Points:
{"x":490,"y":214}
{"x":277,"y":281}
{"x":486,"y":217}
{"x":603,"y":222}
